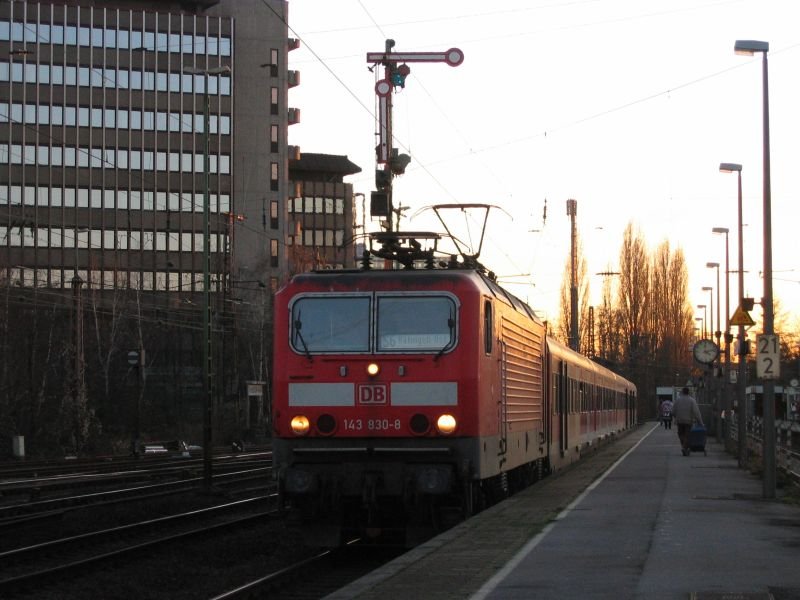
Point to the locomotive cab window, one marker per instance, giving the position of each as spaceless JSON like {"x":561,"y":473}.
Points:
{"x":416,"y":323}
{"x":330,"y":324}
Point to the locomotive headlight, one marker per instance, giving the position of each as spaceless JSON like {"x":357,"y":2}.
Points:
{"x":300,"y":424}
{"x":446,"y":424}
{"x":373,"y":369}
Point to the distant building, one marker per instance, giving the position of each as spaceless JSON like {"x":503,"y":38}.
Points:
{"x":322,"y":215}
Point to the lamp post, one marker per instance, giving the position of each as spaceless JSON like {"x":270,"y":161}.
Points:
{"x":749,"y":48}
{"x":727,"y":370}
{"x":716,"y":333}
{"x":741,"y":413}
{"x":705,"y":318}
{"x":710,"y":388}
{"x":710,"y":290}
{"x":207,"y":403}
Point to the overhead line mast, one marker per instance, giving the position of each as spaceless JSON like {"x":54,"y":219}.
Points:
{"x":395,"y":74}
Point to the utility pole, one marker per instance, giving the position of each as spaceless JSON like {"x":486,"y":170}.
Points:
{"x":572,"y":212}
{"x":207,"y":349}
{"x":395,"y":76}
{"x":78,"y":390}
{"x":77,"y":387}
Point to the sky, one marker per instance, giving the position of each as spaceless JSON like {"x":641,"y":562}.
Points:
{"x":626,"y":106}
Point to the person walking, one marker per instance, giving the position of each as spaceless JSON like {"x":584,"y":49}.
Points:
{"x":666,"y":413}
{"x":686,"y":412}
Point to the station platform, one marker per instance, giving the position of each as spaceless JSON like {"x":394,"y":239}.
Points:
{"x":634,"y":520}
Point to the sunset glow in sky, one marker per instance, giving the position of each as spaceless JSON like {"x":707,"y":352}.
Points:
{"x":626,"y":106}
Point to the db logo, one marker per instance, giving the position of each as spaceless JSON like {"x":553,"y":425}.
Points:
{"x":372,"y":394}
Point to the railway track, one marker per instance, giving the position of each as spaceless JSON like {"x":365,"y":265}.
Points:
{"x":235,"y":550}
{"x":235,"y":481}
{"x":25,"y":468}
{"x":332,"y":569}
{"x":30,"y":480}
{"x":29,"y":568}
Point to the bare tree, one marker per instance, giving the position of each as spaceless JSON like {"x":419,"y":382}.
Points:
{"x":634,"y":292}
{"x":670,"y":313}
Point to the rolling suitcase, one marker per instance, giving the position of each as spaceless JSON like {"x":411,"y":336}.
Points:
{"x":697,"y":439}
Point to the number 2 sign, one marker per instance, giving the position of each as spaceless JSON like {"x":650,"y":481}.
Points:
{"x":768,"y":356}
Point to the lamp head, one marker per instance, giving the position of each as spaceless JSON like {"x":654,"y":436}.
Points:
{"x":730,"y":167}
{"x":750,"y":47}
{"x":719,"y":230}
{"x":712,"y":265}
{"x":707,"y":288}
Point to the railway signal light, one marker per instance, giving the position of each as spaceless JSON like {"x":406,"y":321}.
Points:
{"x":379,"y":204}
{"x":399,"y":74}
{"x":383,"y":179}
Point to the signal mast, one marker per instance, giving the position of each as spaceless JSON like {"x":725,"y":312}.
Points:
{"x":395,"y":72}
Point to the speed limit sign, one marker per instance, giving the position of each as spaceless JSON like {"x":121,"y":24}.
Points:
{"x":768,"y":356}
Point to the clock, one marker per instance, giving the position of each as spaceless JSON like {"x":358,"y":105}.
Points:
{"x":705,"y":351}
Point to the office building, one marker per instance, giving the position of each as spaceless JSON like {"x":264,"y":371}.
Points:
{"x":121,"y":122}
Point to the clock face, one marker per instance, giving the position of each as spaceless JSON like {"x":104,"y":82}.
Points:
{"x":705,"y":351}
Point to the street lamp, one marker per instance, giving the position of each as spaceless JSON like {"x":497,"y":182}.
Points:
{"x":207,"y":404}
{"x":749,"y":48}
{"x":705,"y":317}
{"x":709,"y":390}
{"x":727,"y":372}
{"x":715,"y":333}
{"x":710,"y":290}
{"x":741,"y":414}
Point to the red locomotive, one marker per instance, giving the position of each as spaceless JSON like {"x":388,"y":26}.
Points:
{"x":406,"y":400}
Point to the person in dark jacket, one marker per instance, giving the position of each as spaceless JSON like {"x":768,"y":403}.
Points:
{"x":686,"y":412}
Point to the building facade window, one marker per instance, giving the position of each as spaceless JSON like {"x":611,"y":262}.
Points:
{"x":273,"y":62}
{"x":273,"y":139}
{"x":273,"y":253}
{"x":273,"y":176}
{"x":273,"y":101}
{"x":273,"y":214}
{"x":110,"y":37}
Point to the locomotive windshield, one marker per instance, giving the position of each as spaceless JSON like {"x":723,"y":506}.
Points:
{"x":331,"y":324}
{"x":403,"y":323}
{"x":415,"y":323}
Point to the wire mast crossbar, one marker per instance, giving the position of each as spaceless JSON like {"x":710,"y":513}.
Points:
{"x":395,"y":72}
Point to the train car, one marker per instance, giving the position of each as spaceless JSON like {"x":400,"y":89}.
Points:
{"x":406,"y":400}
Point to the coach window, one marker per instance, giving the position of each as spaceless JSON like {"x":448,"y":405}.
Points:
{"x":487,"y":326}
{"x":416,"y":323}
{"x":330,"y":324}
